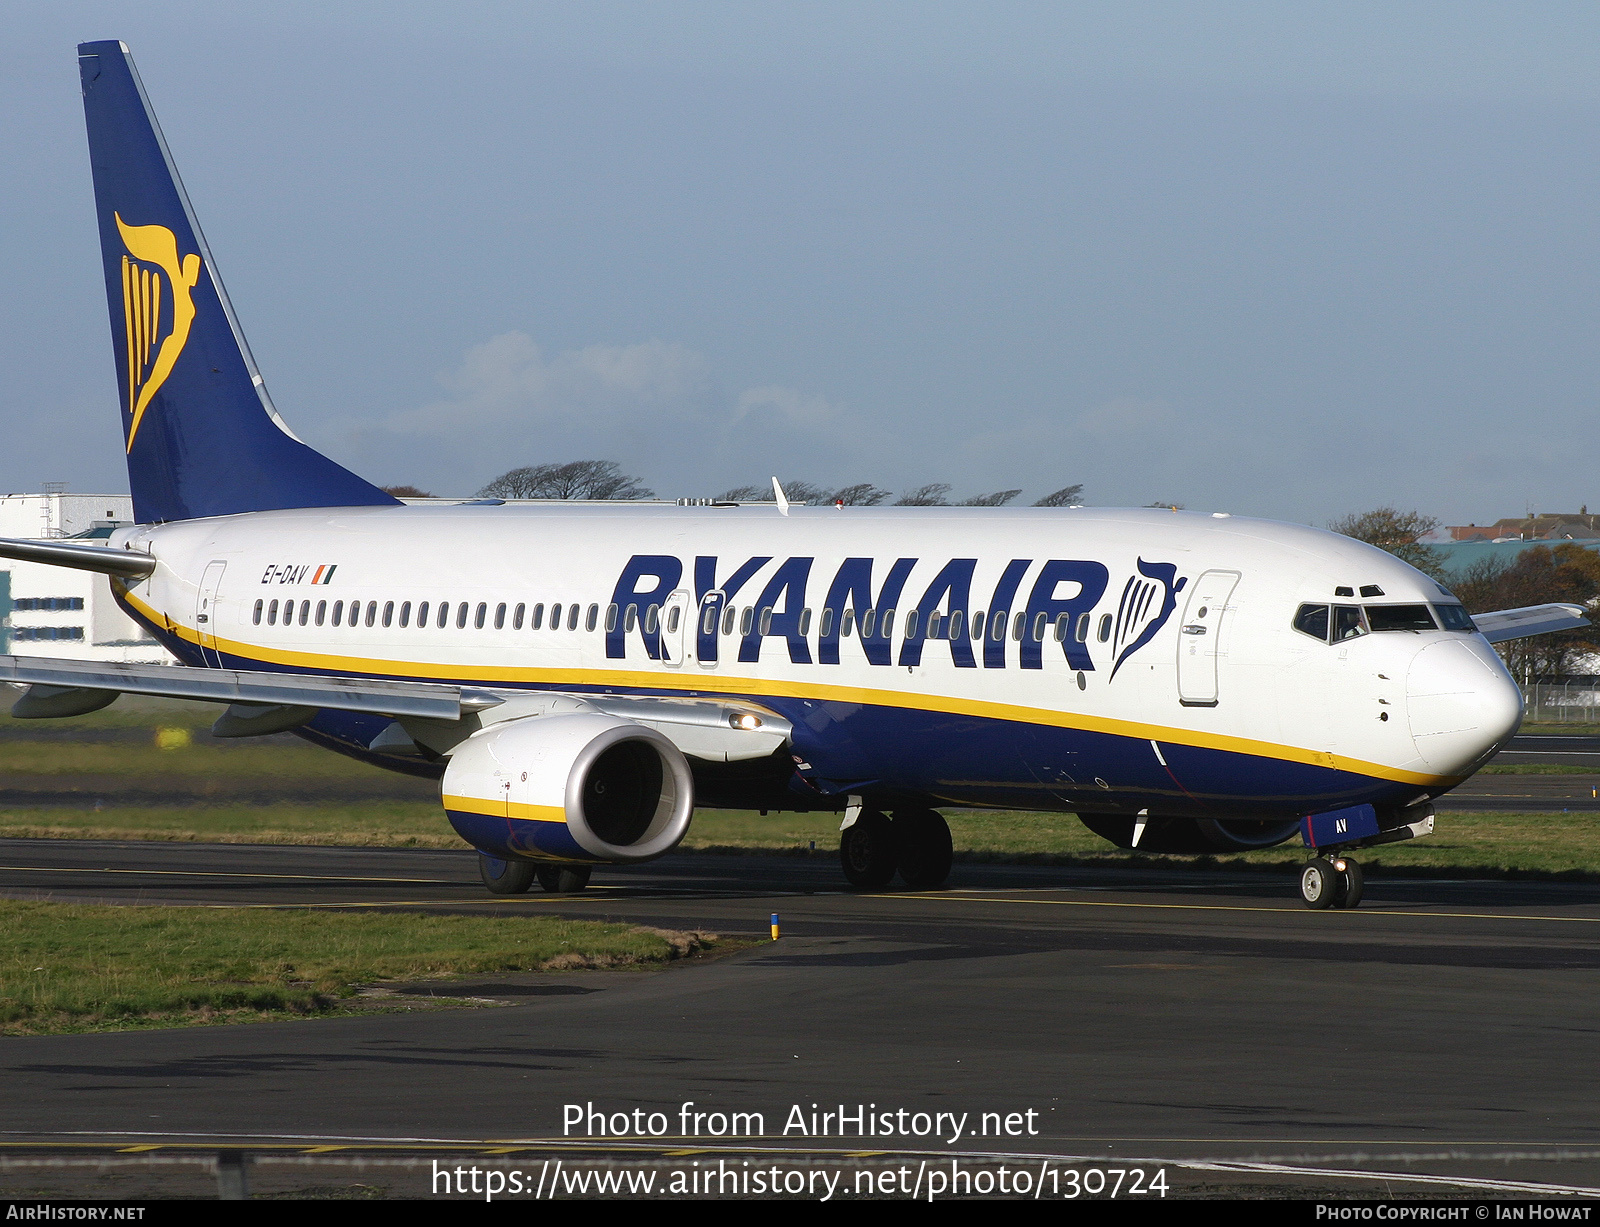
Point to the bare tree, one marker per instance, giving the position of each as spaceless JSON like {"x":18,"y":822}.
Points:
{"x":863,"y":495}
{"x":586,"y":479}
{"x":930,"y":495}
{"x":998,"y":499}
{"x":1538,"y":575}
{"x":1396,"y":532}
{"x":1067,"y":496}
{"x":745,"y":494}
{"x":405,"y":492}
{"x":1166,"y":506}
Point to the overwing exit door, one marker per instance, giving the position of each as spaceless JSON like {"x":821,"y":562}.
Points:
{"x":205,"y":614}
{"x":1200,"y":637}
{"x":676,"y":615}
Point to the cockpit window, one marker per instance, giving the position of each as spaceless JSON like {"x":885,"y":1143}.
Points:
{"x":1347,"y":623}
{"x":1400,"y":618}
{"x":1455,"y":618}
{"x":1312,"y":620}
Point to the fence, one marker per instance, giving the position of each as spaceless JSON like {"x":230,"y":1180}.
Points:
{"x":1575,"y":701}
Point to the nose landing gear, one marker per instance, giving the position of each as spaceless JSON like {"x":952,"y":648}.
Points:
{"x":1331,"y":881}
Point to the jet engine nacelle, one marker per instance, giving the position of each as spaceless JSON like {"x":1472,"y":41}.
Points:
{"x":589,"y":788}
{"x":1202,"y":835}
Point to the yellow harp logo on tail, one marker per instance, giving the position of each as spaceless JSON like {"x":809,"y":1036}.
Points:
{"x":155,"y":283}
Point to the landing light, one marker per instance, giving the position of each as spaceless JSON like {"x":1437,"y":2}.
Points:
{"x":748,"y":721}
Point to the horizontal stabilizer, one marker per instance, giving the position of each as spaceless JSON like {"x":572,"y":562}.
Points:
{"x":1506,"y":624}
{"x":99,"y":558}
{"x":425,"y":699}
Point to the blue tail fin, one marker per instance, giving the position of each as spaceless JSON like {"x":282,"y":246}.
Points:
{"x":203,"y":438}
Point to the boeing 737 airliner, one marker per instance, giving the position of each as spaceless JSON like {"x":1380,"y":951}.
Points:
{"x":579,"y":676}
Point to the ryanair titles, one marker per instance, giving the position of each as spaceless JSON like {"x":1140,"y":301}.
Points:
{"x":1070,"y":604}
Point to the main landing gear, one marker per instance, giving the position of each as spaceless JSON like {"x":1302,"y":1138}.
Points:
{"x":515,"y":877}
{"x":1331,"y":881}
{"x":915,"y":842}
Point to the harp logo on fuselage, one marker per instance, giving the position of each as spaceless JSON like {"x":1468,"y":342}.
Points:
{"x":157,"y":311}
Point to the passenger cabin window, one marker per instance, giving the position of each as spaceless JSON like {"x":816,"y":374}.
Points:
{"x":1455,"y":618}
{"x":372,"y":612}
{"x":259,"y":605}
{"x":305,"y":611}
{"x":338,"y":612}
{"x":500,"y":616}
{"x":272,"y":614}
{"x":517,"y":617}
{"x":1105,"y":627}
{"x":555,"y":616}
{"x":405,"y":613}
{"x":954,"y":629}
{"x":611,"y":619}
{"x":483,"y":612}
{"x":591,"y":621}
{"x":444,"y":614}
{"x":461,"y":616}
{"x":422,"y":614}
{"x":322,"y":612}
{"x":1312,"y":620}
{"x":388,"y":613}
{"x":1400,"y":618}
{"x":538,"y":617}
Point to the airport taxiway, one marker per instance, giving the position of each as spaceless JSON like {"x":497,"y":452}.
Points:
{"x":1174,"y":1013}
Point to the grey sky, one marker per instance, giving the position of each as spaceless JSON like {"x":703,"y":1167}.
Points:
{"x":1290,"y":260}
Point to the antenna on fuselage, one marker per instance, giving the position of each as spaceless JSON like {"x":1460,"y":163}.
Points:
{"x":783,"y":499}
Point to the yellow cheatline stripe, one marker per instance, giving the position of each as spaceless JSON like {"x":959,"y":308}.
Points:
{"x":1220,"y":907}
{"x":944,"y":704}
{"x":199,"y":873}
{"x":517,"y":809}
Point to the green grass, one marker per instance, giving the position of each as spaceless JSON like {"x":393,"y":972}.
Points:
{"x":1474,"y":844}
{"x":369,"y":824}
{"x":1537,"y":769}
{"x":1574,"y":728}
{"x":245,"y":758}
{"x":1497,"y":843}
{"x":68,"y":967}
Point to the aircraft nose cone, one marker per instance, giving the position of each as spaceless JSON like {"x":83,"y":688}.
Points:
{"x":1461,"y":704}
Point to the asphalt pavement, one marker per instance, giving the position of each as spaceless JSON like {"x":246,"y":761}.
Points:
{"x":1445,"y":1030}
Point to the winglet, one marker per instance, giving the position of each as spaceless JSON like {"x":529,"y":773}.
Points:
{"x":783,"y":499}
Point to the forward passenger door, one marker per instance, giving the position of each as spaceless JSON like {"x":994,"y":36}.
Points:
{"x":1200,"y":637}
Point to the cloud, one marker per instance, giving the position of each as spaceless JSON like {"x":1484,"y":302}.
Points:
{"x":655,"y":407}
{"x":508,"y":382}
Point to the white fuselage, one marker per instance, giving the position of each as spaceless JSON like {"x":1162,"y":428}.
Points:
{"x":1123,"y":628}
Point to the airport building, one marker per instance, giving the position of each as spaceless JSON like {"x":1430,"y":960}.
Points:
{"x":54,"y":611}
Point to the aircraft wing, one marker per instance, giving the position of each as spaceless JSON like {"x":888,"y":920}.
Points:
{"x":720,"y":730}
{"x":1506,"y":624}
{"x":423,"y":699}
